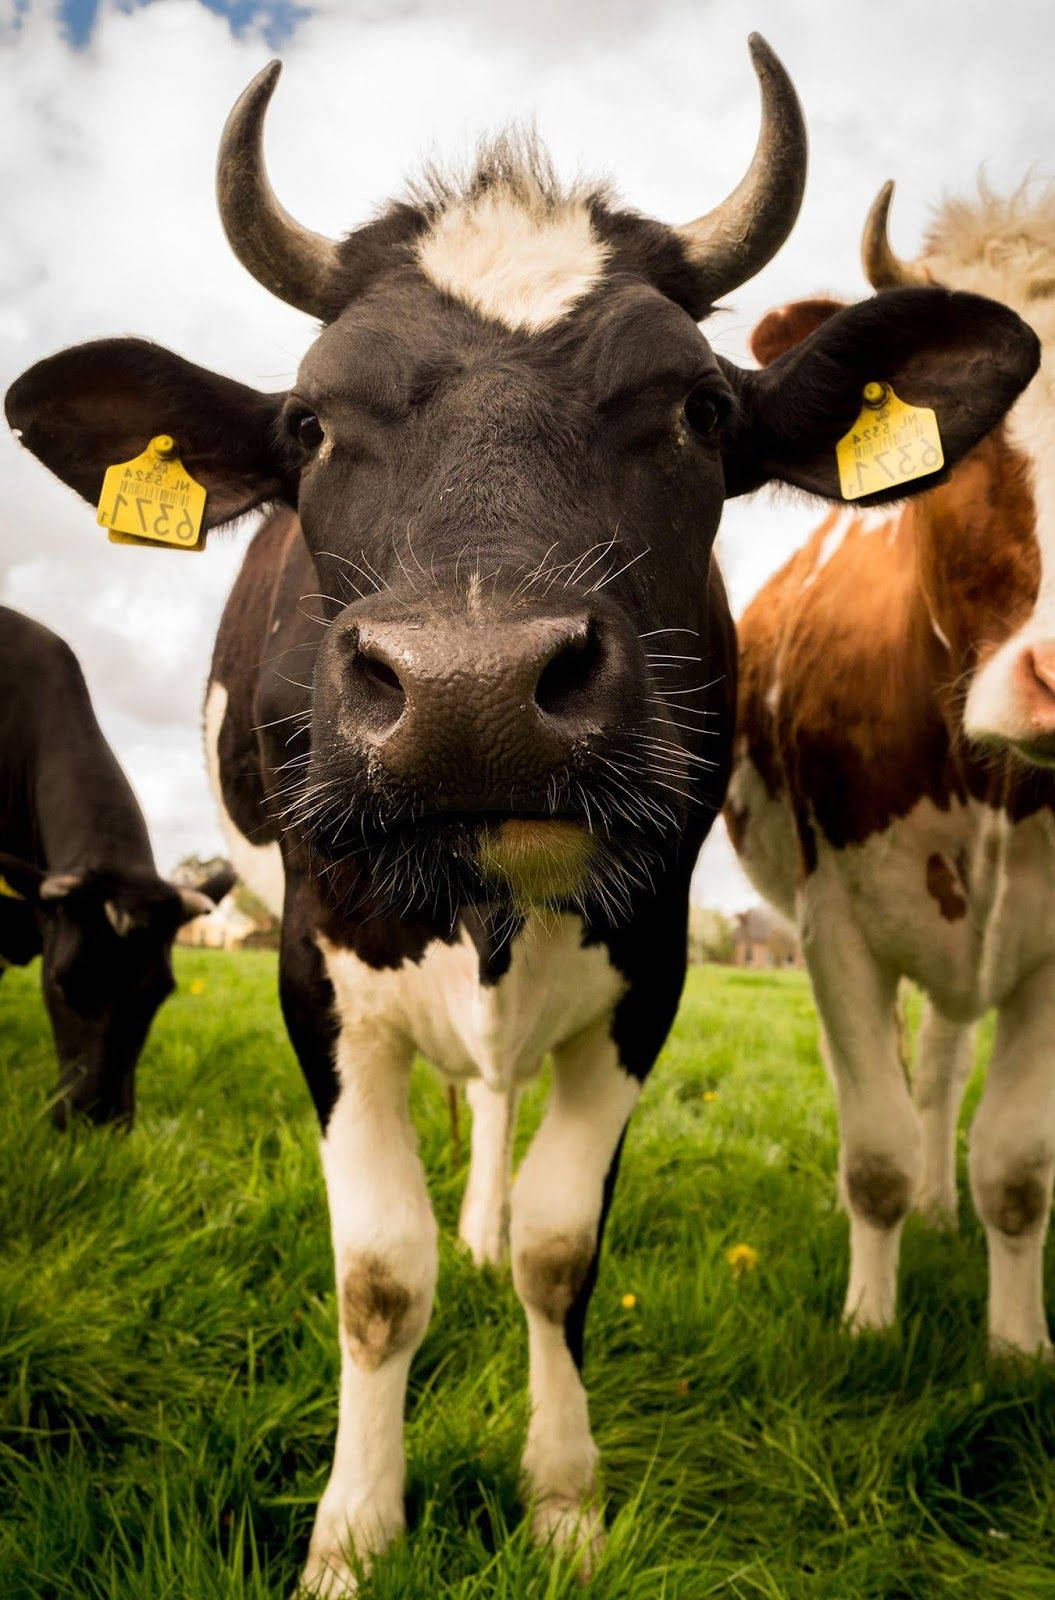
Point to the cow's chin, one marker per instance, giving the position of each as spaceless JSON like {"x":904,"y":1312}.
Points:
{"x":517,"y":864}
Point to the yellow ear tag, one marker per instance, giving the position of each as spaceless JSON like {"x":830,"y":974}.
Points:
{"x":153,"y":500}
{"x":890,"y":443}
{"x":6,"y":890}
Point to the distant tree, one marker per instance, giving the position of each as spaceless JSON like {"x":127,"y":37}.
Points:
{"x":194,"y":869}
{"x":711,"y":935}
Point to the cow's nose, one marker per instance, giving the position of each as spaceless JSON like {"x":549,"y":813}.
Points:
{"x":467,"y":709}
{"x":1035,"y":681}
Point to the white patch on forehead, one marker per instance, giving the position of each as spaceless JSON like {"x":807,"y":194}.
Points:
{"x":522,"y":264}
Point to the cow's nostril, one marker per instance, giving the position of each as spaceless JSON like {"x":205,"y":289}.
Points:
{"x":566,"y":682}
{"x":375,"y":689}
{"x":380,"y":673}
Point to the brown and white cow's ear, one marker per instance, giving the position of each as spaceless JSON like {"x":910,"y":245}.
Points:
{"x":93,"y":405}
{"x":965,"y":357}
{"x":781,"y":330}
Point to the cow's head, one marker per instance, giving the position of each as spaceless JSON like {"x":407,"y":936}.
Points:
{"x":990,"y":538}
{"x":509,"y":448}
{"x":107,"y":947}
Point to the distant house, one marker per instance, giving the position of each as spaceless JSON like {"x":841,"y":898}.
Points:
{"x":762,"y":939}
{"x":225,"y":928}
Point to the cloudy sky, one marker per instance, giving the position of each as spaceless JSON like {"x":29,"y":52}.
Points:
{"x":109,"y":118}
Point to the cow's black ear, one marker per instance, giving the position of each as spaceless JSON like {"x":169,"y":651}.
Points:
{"x":19,"y":879}
{"x":91,"y":406}
{"x":219,"y":883}
{"x":965,"y":357}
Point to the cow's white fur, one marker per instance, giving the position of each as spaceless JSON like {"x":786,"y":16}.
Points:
{"x":866,"y":916}
{"x":483,"y":1226}
{"x":514,"y":257}
{"x":258,"y":865}
{"x":556,"y":995}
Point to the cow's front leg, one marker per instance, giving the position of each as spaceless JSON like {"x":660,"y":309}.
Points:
{"x":560,"y":1199}
{"x":1012,"y":1162}
{"x":483,"y":1226}
{"x":384,"y":1243}
{"x":879,"y":1146}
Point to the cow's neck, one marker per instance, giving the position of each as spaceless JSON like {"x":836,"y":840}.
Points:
{"x":976,"y":552}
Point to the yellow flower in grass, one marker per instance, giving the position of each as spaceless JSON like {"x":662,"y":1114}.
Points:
{"x":710,"y":1095}
{"x":628,"y":1302}
{"x":742,"y":1258}
{"x":198,"y":986}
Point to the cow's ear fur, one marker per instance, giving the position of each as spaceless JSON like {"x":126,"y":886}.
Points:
{"x":91,"y":406}
{"x":965,"y":357}
{"x":781,"y":330}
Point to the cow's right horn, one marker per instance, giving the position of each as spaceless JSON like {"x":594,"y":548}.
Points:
{"x":297,"y":265}
{"x":882,"y":268}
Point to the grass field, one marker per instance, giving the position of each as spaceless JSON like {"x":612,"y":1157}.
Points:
{"x":168,"y":1355}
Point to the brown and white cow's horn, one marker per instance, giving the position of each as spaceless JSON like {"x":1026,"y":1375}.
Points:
{"x":297,"y":265}
{"x":735,"y":240}
{"x":882,"y":268}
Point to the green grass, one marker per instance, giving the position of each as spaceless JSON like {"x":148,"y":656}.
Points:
{"x":168,"y":1355}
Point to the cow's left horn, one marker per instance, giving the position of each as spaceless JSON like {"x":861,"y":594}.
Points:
{"x":882,"y":268}
{"x":735,"y":240}
{"x":297,"y":265}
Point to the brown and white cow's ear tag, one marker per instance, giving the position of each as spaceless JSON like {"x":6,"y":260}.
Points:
{"x":890,"y":443}
{"x":153,"y":500}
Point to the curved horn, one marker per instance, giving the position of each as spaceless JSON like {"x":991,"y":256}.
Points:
{"x":882,"y":268}
{"x":735,"y":240}
{"x":295,"y":264}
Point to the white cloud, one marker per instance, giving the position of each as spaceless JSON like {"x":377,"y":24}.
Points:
{"x":106,"y":158}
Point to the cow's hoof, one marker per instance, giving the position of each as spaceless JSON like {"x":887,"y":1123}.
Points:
{"x":574,"y":1530}
{"x":483,"y":1230}
{"x":327,"y":1576}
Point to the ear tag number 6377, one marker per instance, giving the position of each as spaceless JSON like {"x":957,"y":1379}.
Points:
{"x":153,"y":499}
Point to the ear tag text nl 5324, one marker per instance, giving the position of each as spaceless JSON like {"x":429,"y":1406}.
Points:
{"x":890,"y":443}
{"x":153,"y":500}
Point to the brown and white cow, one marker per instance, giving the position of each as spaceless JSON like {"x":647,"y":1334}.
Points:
{"x":893,"y":791}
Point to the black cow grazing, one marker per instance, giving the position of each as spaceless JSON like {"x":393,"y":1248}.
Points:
{"x":472,"y":698}
{"x":78,"y":885}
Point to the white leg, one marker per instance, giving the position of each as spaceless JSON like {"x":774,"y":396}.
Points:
{"x":946,"y":1056}
{"x":879,"y":1156}
{"x":1012,"y":1159}
{"x":558,"y":1205}
{"x":384,"y":1242}
{"x":484,"y":1222}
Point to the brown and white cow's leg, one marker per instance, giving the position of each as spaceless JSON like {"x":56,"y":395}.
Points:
{"x":558,"y":1206}
{"x":483,"y":1226}
{"x":1012,"y":1160}
{"x":879,"y":1155}
{"x":384,"y":1242}
{"x":945,"y":1059}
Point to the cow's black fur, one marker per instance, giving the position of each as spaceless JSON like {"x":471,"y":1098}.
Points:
{"x":72,"y":843}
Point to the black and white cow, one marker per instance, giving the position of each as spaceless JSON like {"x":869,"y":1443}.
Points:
{"x":472,"y":699}
{"x":78,"y":885}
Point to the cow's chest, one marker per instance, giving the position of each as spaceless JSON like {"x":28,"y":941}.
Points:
{"x":960,"y":900}
{"x":467,"y":1027}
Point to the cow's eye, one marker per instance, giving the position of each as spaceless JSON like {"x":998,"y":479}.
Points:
{"x":307,"y":430}
{"x":705,"y":412}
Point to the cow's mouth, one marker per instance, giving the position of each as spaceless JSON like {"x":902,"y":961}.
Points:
{"x":536,"y":861}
